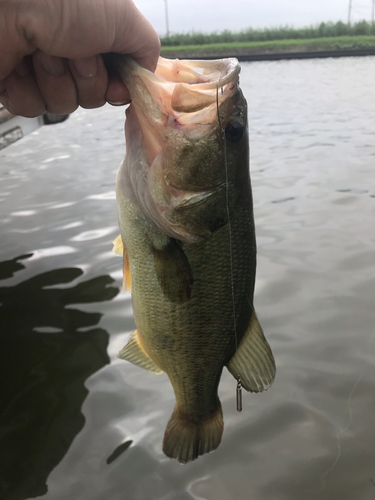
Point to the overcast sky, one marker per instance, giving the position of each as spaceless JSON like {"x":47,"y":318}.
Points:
{"x":212,"y":15}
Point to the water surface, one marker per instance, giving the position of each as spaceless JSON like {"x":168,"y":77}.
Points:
{"x":76,"y":422}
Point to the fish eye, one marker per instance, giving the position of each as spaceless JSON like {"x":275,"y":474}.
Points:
{"x":234,"y":131}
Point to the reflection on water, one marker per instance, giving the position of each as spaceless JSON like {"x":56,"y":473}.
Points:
{"x":50,"y":350}
{"x":76,"y":427}
{"x":9,"y":267}
{"x":120,"y":449}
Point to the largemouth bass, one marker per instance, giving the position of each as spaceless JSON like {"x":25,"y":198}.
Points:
{"x":188,"y":241}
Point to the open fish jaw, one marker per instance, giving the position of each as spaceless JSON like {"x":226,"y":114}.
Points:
{"x":178,"y":86}
{"x":172,"y":111}
{"x":180,"y":96}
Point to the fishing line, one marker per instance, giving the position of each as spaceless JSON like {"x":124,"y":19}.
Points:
{"x":239,"y":385}
{"x":343,"y":430}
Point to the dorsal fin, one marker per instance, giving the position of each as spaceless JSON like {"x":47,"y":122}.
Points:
{"x":120,"y":249}
{"x":126,"y":281}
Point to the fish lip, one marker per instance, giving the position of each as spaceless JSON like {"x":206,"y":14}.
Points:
{"x":164,"y":93}
{"x":229,"y":69}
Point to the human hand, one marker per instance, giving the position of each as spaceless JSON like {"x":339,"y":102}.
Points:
{"x":50,"y":53}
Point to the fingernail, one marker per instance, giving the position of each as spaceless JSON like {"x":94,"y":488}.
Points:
{"x":86,"y":67}
{"x":119,"y":103}
{"x":55,"y":66}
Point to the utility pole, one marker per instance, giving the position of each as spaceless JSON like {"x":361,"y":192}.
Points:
{"x":166,"y":17}
{"x":350,"y":11}
{"x":373,"y":12}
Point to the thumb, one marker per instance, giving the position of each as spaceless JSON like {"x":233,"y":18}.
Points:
{"x":136,"y":37}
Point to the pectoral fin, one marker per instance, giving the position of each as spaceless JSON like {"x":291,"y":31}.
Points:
{"x":119,"y":249}
{"x":134,"y":353}
{"x":253,"y":361}
{"x":173,"y":271}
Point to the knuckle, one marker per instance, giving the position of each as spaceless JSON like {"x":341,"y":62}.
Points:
{"x":92,"y":94}
{"x":61,"y":108}
{"x":90,"y":104}
{"x":29,"y":112}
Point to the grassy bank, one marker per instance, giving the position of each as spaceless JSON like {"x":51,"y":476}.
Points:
{"x":225,"y":49}
{"x":322,"y":30}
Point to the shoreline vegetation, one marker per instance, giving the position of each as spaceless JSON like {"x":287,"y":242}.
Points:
{"x":255,"y":43}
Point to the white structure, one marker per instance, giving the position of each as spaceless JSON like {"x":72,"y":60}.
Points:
{"x":13,"y":127}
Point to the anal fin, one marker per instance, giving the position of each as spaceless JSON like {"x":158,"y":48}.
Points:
{"x":134,"y":353}
{"x":253,"y":361}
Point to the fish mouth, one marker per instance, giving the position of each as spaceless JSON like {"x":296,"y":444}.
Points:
{"x":179,"y":86}
{"x":174,"y":126}
{"x":194,"y":85}
{"x":182,"y":97}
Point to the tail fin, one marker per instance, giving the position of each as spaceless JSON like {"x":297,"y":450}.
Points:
{"x":187,"y":437}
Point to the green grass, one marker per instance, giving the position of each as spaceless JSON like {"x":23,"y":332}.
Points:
{"x":326,"y":42}
{"x":322,"y":30}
